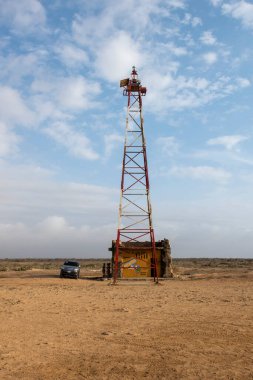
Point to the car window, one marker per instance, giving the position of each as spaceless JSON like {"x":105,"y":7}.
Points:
{"x":72,"y":263}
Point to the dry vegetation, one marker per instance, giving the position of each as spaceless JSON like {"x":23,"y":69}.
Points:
{"x":54,"y":328}
{"x":29,"y":264}
{"x":192,"y":267}
{"x":194,"y":263}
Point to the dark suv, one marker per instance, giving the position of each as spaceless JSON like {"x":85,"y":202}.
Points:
{"x":70,"y":269}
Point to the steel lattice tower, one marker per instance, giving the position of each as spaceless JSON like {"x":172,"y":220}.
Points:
{"x":135,"y":214}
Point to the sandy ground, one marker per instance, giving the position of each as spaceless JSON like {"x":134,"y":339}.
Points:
{"x":55,"y":328}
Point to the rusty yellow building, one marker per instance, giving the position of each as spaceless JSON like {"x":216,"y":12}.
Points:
{"x":135,"y":260}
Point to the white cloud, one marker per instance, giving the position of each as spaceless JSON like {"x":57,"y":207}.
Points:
{"x":16,"y":67}
{"x":203,"y":227}
{"x":76,"y":143}
{"x":31,"y":193}
{"x":181,"y":92}
{"x":53,"y":224}
{"x":176,"y":50}
{"x":8,"y":141}
{"x":42,"y":216}
{"x":208,"y":38}
{"x":72,"y":93}
{"x":47,"y":108}
{"x":55,"y":237}
{"x":205,"y":173}
{"x":232,"y":157}
{"x":168,"y":145}
{"x":189,"y":19}
{"x":210,"y":58}
{"x":77,"y":93}
{"x":125,"y":16}
{"x":52,"y":219}
{"x":229,"y":142}
{"x":115,"y":16}
{"x":117,"y":56}
{"x":216,"y":3}
{"x":240,"y":10}
{"x":24,"y":16}
{"x":196,"y":21}
{"x":72,"y":56}
{"x":122,"y":38}
{"x":243,"y":82}
{"x":13,"y":110}
{"x":111,"y":142}
{"x":176,"y":3}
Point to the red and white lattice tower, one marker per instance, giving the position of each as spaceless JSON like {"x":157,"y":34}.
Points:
{"x":135,"y":215}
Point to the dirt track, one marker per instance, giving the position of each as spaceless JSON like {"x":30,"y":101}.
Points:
{"x":55,"y":328}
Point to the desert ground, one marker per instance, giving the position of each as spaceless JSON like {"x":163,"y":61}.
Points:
{"x":198,"y":325}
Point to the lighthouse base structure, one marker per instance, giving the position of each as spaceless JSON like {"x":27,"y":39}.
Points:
{"x":135,"y":260}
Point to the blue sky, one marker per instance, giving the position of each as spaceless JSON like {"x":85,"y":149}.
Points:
{"x":62,"y":119}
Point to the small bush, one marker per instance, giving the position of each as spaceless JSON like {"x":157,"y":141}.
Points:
{"x":19,"y":269}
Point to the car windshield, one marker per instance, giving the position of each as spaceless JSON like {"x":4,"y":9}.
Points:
{"x":71,"y":263}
